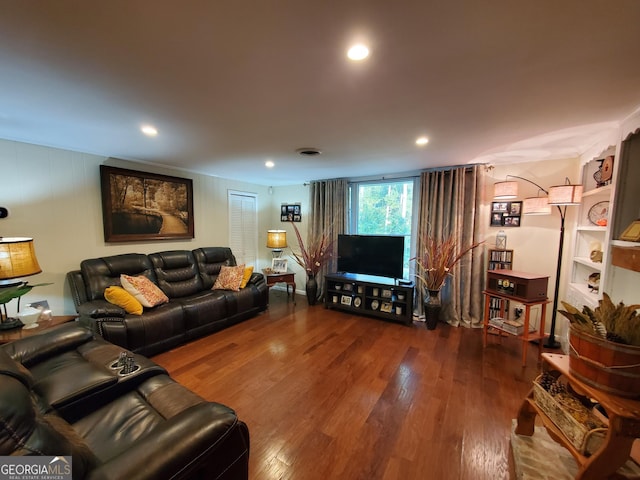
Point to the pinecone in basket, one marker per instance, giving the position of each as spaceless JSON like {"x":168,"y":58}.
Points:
{"x":546,"y":380}
{"x":557,"y":388}
{"x":612,"y":337}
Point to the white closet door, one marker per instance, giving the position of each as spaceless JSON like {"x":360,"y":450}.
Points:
{"x":243,"y":227}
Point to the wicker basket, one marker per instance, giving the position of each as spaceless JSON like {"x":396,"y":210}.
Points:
{"x":585,"y":440}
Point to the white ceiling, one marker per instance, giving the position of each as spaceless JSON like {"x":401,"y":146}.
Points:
{"x":231,"y":84}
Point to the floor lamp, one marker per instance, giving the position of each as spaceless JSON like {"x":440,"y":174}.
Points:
{"x":559,"y":196}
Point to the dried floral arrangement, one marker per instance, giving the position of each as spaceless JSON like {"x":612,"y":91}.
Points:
{"x":313,"y":256}
{"x":436,"y":259}
{"x":616,"y":323}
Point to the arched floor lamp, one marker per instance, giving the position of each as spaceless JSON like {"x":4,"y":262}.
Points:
{"x":559,"y":196}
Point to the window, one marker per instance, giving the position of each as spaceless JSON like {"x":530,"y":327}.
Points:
{"x":384,"y":207}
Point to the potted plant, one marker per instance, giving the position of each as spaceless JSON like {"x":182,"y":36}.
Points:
{"x":312,"y":258}
{"x":7,"y":294}
{"x":605,"y":345}
{"x":434,"y":263}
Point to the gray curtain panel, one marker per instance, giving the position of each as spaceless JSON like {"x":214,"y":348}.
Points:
{"x":328,"y":199}
{"x":450,"y":202}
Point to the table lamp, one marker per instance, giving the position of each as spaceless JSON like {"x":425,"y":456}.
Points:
{"x":276,"y":240}
{"x":17,"y":260}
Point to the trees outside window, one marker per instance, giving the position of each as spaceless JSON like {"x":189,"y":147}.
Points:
{"x":384,"y":207}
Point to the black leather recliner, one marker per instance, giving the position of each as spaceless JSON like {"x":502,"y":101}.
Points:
{"x":63,"y":393}
{"x":186,"y":277}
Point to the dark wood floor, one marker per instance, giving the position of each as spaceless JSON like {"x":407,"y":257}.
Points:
{"x":328,"y":395}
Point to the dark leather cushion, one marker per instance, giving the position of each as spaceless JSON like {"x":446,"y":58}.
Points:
{"x":177,"y":273}
{"x":100,"y":273}
{"x":34,"y":349}
{"x":10,"y":367}
{"x":210,"y":261}
{"x":68,"y":376}
{"x":27,"y":432}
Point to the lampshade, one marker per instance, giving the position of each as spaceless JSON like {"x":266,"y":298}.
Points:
{"x":505,"y":190}
{"x":276,"y":238}
{"x":565,"y":195}
{"x":536,"y":206}
{"x":17,"y":258}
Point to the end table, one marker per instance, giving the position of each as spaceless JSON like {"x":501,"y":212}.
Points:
{"x":282,"y":277}
{"x":20,"y":332}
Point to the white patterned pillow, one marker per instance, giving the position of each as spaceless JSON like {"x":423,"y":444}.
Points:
{"x":144,"y":290}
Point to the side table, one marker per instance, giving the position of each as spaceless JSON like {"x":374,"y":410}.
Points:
{"x":526,"y":336}
{"x":282,"y":277}
{"x":17,"y":333}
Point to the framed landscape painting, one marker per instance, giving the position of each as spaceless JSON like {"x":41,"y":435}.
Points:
{"x":139,"y":206}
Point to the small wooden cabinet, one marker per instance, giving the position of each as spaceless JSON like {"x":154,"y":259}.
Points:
{"x":624,"y":424}
{"x":370,"y":295}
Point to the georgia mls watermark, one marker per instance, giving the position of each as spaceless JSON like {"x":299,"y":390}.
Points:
{"x":35,"y":468}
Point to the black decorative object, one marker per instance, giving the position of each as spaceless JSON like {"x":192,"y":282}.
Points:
{"x":312,"y":290}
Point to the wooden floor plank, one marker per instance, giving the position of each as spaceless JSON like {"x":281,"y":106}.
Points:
{"x":331,"y":395}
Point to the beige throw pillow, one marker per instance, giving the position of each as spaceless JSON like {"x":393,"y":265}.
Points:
{"x":144,"y":290}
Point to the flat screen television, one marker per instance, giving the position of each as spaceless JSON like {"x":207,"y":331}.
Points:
{"x":381,"y":255}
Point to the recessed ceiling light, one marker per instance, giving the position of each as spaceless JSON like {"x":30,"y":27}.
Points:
{"x":422,"y":141}
{"x":358,"y":52}
{"x":149,"y":131}
{"x":269,"y":164}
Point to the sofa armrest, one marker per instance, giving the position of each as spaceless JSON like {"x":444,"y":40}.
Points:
{"x":100,"y":309}
{"x":197,"y":439}
{"x":30,"y":350}
{"x":257,"y":278}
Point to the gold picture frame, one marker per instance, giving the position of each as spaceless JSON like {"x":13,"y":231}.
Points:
{"x":632,"y":232}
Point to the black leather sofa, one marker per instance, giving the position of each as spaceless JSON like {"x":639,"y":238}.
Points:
{"x":63,"y":393}
{"x":186,"y":277}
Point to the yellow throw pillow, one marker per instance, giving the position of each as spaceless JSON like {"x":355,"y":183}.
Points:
{"x":246,"y":276}
{"x":229,"y":278}
{"x":120,"y":297}
{"x":145,"y":291}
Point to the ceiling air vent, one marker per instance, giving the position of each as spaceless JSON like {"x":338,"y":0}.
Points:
{"x":308,"y":152}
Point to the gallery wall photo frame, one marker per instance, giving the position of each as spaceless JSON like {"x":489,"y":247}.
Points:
{"x":505,"y":214}
{"x":291,"y":212}
{"x":142,"y":206}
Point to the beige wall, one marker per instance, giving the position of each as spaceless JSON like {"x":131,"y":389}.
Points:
{"x":290,"y":194}
{"x":535,"y":242}
{"x":54,"y":196}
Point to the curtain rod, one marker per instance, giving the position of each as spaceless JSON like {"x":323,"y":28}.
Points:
{"x":412,"y":174}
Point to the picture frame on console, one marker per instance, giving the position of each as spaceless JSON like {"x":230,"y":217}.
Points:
{"x":142,"y":206}
{"x":279,"y":265}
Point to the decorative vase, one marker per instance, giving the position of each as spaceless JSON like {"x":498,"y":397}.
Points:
{"x":312,"y":290}
{"x":432,"y":307}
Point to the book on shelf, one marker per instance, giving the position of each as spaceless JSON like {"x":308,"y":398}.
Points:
{"x":514,"y":327}
{"x":501,"y":256}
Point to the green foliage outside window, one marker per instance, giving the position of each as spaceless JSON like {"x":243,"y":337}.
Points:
{"x":385,"y":208}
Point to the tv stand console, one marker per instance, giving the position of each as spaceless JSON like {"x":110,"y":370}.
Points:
{"x":380,"y":297}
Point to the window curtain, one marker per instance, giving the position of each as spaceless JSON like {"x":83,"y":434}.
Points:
{"x":328,"y":211}
{"x":450,"y":203}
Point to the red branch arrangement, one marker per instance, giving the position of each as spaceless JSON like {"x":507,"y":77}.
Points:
{"x":316,"y":254}
{"x":437,"y":258}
